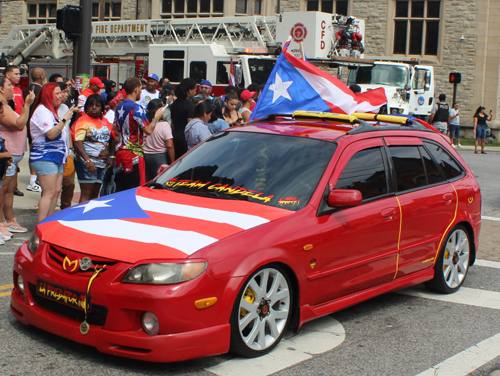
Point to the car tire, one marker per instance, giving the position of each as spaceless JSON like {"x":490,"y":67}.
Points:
{"x":261,"y":312}
{"x":452,"y":265}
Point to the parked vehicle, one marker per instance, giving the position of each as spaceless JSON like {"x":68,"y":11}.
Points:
{"x":259,"y":228}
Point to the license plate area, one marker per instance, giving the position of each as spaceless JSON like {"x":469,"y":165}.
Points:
{"x":60,"y":294}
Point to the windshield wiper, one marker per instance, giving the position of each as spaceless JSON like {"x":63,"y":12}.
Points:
{"x":155,"y":185}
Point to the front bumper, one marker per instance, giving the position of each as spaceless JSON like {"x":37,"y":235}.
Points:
{"x":185,"y":332}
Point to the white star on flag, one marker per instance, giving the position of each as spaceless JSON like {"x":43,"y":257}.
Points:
{"x":93,"y":204}
{"x":279,"y":88}
{"x":121,"y":111}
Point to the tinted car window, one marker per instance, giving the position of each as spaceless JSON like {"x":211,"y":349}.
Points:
{"x":409,"y":168}
{"x":433,"y":174}
{"x":450,"y":168}
{"x":270,"y":169}
{"x":365,"y":172}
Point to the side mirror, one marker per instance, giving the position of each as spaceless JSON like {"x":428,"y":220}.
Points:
{"x":344,"y":197}
{"x":238,"y":73}
{"x":427,"y":87}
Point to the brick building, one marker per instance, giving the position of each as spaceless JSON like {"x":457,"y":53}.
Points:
{"x":451,"y":35}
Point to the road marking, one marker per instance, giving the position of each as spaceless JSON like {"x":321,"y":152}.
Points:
{"x":468,"y":360}
{"x":467,"y":296}
{"x":5,"y":287}
{"x":314,"y":338}
{"x":488,"y":264}
{"x":490,"y":218}
{"x":7,"y":253}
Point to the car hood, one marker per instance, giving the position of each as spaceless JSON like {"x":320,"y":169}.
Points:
{"x":146,"y":223}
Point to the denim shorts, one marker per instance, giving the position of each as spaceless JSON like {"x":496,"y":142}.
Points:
{"x":481,"y":132}
{"x":84,"y":176}
{"x":47,"y":167}
{"x":454,"y":130}
{"x":12,"y":169}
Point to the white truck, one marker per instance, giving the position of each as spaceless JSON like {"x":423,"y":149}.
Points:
{"x":409,"y":86}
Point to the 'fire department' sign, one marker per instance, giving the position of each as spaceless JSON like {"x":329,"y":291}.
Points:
{"x":121,"y":28}
{"x":298,"y":32}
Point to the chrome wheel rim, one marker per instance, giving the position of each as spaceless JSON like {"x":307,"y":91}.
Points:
{"x":456,"y":259}
{"x":264,"y":309}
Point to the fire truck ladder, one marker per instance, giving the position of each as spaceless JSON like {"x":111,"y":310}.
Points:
{"x":235,"y":33}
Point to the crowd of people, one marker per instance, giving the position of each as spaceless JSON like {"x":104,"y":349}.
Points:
{"x":112,"y":139}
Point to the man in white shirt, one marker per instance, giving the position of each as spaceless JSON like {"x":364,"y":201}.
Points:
{"x":150,"y":92}
{"x":455,"y":124}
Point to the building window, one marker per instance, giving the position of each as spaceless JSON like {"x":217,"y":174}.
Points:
{"x":112,"y":11}
{"x":328,"y":6}
{"x":42,"y":13}
{"x":416,"y":27}
{"x":241,"y":6}
{"x":192,"y":8}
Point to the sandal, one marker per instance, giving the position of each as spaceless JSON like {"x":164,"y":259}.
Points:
{"x":476,"y":152}
{"x":483,"y":152}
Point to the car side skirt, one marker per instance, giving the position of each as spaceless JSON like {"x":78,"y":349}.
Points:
{"x":309,"y":313}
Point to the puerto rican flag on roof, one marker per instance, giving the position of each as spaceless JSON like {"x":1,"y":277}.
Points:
{"x":295,"y":84}
{"x":144,"y":223}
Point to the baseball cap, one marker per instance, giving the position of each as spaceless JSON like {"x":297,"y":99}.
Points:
{"x":205,"y":83}
{"x":247,"y":94}
{"x":154,"y":77}
{"x":96,"y":81}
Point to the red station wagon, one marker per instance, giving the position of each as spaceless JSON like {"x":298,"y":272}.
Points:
{"x":260,"y":227}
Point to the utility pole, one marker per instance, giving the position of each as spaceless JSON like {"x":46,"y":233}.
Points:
{"x":83,"y":54}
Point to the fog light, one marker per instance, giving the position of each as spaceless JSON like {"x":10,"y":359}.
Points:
{"x":20,"y":283}
{"x":150,"y":323}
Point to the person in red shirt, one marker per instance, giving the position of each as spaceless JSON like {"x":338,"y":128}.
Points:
{"x":12,"y":73}
{"x":95,"y":85}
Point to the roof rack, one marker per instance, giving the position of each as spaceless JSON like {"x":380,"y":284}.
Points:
{"x":362,"y":119}
{"x":312,"y":115}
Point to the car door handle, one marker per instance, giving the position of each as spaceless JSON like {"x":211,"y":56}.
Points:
{"x":388,"y":213}
{"x":447,"y":197}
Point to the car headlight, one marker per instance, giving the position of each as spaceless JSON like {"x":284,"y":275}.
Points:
{"x":34,"y":242}
{"x":164,"y":273}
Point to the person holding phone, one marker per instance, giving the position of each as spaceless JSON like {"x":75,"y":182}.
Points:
{"x":231,"y":115}
{"x":480,"y":125}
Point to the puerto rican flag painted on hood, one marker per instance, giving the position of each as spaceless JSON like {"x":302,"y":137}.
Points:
{"x":144,"y":223}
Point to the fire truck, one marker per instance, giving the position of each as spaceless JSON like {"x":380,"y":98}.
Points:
{"x":208,"y":48}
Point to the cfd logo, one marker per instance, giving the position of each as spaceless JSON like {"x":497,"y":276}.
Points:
{"x":70,"y":266}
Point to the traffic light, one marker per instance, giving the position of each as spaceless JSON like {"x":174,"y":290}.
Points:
{"x":68,"y":20}
{"x":455,"y":77}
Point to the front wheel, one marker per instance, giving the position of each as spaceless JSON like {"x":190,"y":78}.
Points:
{"x":453,"y":263}
{"x":261,"y":312}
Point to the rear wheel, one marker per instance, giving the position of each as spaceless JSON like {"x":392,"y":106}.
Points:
{"x":453,"y":263}
{"x":261,"y":312}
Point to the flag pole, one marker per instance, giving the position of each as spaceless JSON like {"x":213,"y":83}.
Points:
{"x":271,"y":77}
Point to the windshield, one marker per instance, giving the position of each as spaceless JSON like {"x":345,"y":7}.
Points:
{"x":276,"y":170}
{"x":390,"y":75}
{"x":260,"y":70}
